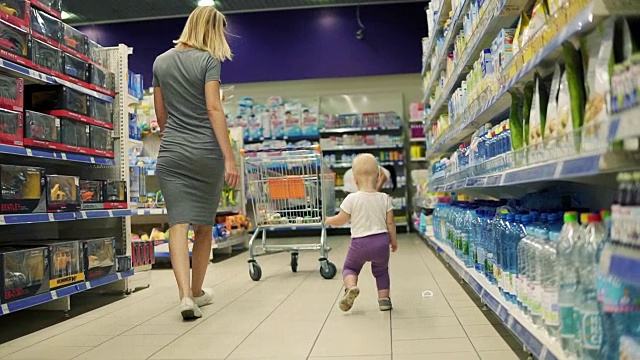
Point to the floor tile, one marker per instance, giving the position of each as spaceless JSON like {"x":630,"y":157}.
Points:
{"x":499,"y":355}
{"x":365,"y":357}
{"x":47,"y":352}
{"x":6,"y":350}
{"x":138,"y":352}
{"x":438,"y":356}
{"x":489,"y":343}
{"x":484,"y":330}
{"x":72,"y":339}
{"x":432,"y":346}
{"x":429,"y":332}
{"x":424,"y":321}
{"x":194,"y":346}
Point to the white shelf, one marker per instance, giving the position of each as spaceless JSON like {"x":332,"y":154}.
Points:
{"x":416,"y":120}
{"x":418,"y":139}
{"x":361,"y":147}
{"x":134,"y":142}
{"x":420,"y":159}
{"x":132,"y":100}
{"x":535,"y":339}
{"x":359,"y":130}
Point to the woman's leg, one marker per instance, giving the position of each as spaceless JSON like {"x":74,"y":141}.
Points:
{"x":200,"y":257}
{"x":179,"y":252}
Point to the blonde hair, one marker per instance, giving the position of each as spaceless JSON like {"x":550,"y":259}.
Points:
{"x":365,"y":169}
{"x":204,"y":30}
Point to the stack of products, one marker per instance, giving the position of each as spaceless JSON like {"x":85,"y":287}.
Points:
{"x":417,"y":131}
{"x":383,"y":156}
{"x":135,"y":85}
{"x":29,"y":268}
{"x":28,"y":190}
{"x":366,"y":120}
{"x":361,"y":140}
{"x":547,"y":263}
{"x":275,"y":120}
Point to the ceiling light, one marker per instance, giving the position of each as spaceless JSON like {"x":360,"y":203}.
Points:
{"x":206,"y":3}
{"x":65,"y":15}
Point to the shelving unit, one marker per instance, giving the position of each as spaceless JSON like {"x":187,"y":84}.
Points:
{"x":586,"y":171}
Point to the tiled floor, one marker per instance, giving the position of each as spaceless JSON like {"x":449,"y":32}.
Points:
{"x":285,"y":316}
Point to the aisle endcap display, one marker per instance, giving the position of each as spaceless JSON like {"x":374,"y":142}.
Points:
{"x":534,"y":339}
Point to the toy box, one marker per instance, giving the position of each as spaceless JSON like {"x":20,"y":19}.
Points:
{"x":74,"y":133}
{"x":46,"y":58}
{"x":142,"y":253}
{"x":53,"y":7}
{"x":96,"y":54}
{"x":100,"y":139}
{"x":123,"y":263}
{"x":92,"y":194}
{"x":310,"y":122}
{"x":45,"y":98}
{"x":75,"y":42}
{"x":11,"y":128}
{"x":63,"y":193}
{"x":16,"y":12}
{"x":100,"y":110}
{"x":46,"y":28}
{"x":11,"y":93}
{"x":22,"y":189}
{"x":75,"y":67}
{"x":102,"y":78}
{"x":66,"y":261}
{"x":292,"y":113}
{"x":116,"y":192}
{"x":41,"y":127}
{"x":14,"y":44}
{"x":99,"y":257}
{"x":24,"y":273}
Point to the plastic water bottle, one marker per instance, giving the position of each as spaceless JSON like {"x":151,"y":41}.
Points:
{"x":490,"y":260}
{"x":499,"y":239}
{"x":550,"y":277}
{"x":567,"y":243}
{"x":525,"y":266}
{"x":518,"y":232}
{"x":535,"y":275}
{"x":467,"y":230}
{"x":589,"y":318}
{"x":480,"y":244}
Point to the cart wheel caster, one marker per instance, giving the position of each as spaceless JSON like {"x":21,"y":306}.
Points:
{"x":254,"y":271}
{"x":327,"y":269}
{"x":294,"y":262}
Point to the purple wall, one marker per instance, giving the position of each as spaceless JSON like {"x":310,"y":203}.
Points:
{"x":292,"y":44}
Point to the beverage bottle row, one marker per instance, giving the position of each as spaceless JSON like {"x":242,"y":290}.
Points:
{"x":547,"y":264}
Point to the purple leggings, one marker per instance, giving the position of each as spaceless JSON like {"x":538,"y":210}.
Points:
{"x":374,"y":248}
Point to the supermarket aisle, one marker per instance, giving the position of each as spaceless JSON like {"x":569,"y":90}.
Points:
{"x":285,"y":316}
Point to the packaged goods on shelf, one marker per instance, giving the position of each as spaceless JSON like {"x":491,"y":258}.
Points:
{"x":44,"y":98}
{"x":22,"y":189}
{"x":383,"y":156}
{"x":361,"y":140}
{"x":101,"y":194}
{"x":100,"y":139}
{"x":292,"y":113}
{"x":16,"y":12}
{"x":41,"y":129}
{"x":11,"y":127}
{"x":66,"y":261}
{"x":417,"y":131}
{"x":123,"y":263}
{"x":96,"y":53}
{"x":74,"y":133}
{"x":310,"y":121}
{"x":75,"y":42}
{"x":100,"y":110}
{"x":99,"y":257}
{"x":76,"y":67}
{"x":116,"y":193}
{"x":46,"y":28}
{"x":63,"y":193}
{"x":53,"y":7}
{"x":142,"y":253}
{"x":11,"y":93}
{"x":365,"y":120}
{"x":14,"y":44}
{"x":24,"y":273}
{"x":416,"y":110}
{"x":91,"y":193}
{"x":103,"y":79}
{"x":135,"y":85}
{"x":47,"y":58}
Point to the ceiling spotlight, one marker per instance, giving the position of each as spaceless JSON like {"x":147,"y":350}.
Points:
{"x":206,"y":3}
{"x":65,"y":15}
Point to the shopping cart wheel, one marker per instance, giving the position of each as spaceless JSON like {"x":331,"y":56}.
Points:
{"x":327,"y":269}
{"x":254,"y":271}
{"x":294,"y":262}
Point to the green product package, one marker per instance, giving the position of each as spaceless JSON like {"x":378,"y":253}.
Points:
{"x":526,"y":109}
{"x":515,"y":121}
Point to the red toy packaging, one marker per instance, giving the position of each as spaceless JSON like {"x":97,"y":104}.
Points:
{"x":14,"y":44}
{"x":46,"y":58}
{"x":52,"y":7}
{"x":75,"y":43}
{"x":76,"y":68}
{"x":63,"y":193}
{"x":11,"y":93}
{"x":16,"y":13}
{"x":41,"y":130}
{"x":22,"y":190}
{"x":11,"y":128}
{"x":46,"y":28}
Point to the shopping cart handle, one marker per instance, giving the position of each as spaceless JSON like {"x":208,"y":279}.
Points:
{"x":267,"y":150}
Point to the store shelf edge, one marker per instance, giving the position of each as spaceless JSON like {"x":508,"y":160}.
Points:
{"x":62,"y":292}
{"x":534,"y":339}
{"x":55,"y":155}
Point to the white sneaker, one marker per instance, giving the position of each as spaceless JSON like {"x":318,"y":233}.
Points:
{"x":205,"y":299}
{"x":189,"y":309}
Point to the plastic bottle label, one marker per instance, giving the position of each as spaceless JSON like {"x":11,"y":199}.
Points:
{"x":550,"y":305}
{"x":535,"y":298}
{"x":567,"y":322}
{"x":506,"y":282}
{"x":617,"y":296}
{"x":522,"y":289}
{"x":591,"y":326}
{"x":464,"y":242}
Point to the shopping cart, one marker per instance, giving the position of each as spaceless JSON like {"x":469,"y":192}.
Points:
{"x":290,"y":188}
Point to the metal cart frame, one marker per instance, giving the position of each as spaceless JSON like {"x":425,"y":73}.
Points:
{"x":290,"y":188}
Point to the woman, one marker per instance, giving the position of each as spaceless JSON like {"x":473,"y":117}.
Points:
{"x":195,"y":155}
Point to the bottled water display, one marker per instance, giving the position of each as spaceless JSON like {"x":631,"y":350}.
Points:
{"x":547,"y":265}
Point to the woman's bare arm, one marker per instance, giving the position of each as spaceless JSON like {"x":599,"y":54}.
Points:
{"x":160,"y":107}
{"x":219,"y":126}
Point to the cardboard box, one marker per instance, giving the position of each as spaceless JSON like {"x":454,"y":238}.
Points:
{"x":63,"y":193}
{"x":23,"y":273}
{"x":22,"y":189}
{"x":11,"y":127}
{"x":99,"y":257}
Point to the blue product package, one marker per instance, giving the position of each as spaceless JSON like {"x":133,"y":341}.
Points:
{"x":254,"y":127}
{"x":277,"y":120}
{"x":310,"y":126}
{"x":292,"y":114}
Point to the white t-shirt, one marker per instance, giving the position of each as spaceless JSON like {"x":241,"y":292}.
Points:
{"x":350,"y":181}
{"x":368,"y":212}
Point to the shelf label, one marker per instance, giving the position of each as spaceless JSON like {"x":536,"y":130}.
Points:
{"x":581,"y":166}
{"x":460,"y":184}
{"x":476,"y":182}
{"x":543,"y":172}
{"x":529,"y":340}
{"x":493,"y":180}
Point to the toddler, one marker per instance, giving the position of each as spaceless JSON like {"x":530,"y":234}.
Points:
{"x":373,"y":229}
